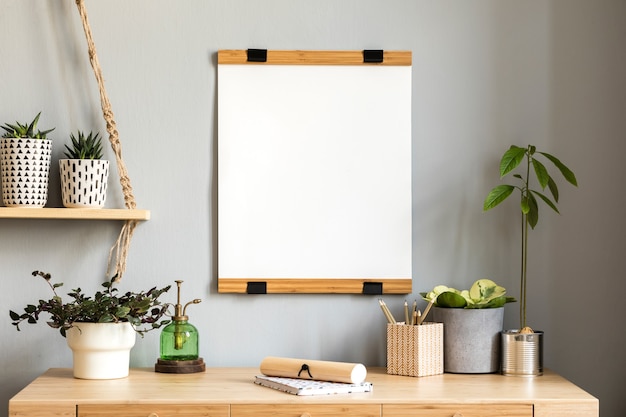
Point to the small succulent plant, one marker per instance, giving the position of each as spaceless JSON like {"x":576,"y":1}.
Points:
{"x":27,"y":130}
{"x":143,"y":310}
{"x":85,"y":147}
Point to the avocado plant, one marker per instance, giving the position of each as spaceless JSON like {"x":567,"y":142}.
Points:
{"x":529,"y":206}
{"x":483,"y":293}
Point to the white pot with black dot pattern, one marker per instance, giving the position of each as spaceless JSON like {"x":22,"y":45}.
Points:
{"x":25,"y":168}
{"x":84,"y":182}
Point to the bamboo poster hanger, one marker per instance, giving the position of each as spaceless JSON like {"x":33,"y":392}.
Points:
{"x":314,"y":171}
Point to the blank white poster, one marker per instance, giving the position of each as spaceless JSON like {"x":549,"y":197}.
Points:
{"x":314,"y":171}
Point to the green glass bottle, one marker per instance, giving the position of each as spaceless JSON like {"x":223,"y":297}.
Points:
{"x":180,"y":339}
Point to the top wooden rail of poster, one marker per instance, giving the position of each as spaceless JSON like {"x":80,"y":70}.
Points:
{"x":299,"y":57}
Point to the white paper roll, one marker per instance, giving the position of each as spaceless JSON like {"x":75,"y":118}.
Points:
{"x":354,"y":373}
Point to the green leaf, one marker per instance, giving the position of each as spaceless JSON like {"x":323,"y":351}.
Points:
{"x":542,"y":173}
{"x":122,"y":312}
{"x":451,"y":299}
{"x":524,"y":205}
{"x":511,"y":159}
{"x":483,"y":290}
{"x":497,"y":195}
{"x":554,"y":190}
{"x":533,"y":211}
{"x":567,"y":173}
{"x":143,"y":305}
{"x":106,"y":318}
{"x":135,"y":321}
{"x":546,"y":200}
{"x":493,"y":303}
{"x":33,"y":124}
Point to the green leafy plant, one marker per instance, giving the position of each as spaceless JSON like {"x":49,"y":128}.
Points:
{"x":484,"y":293}
{"x":143,"y":310}
{"x":84,"y":147}
{"x":27,"y":130}
{"x":529,"y":206}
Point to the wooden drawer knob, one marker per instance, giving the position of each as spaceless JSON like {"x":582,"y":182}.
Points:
{"x":305,"y":415}
{"x":457,"y":415}
{"x":153,"y":415}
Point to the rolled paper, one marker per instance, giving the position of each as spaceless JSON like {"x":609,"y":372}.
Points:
{"x":353,"y":373}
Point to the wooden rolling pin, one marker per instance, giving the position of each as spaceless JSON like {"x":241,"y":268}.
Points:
{"x":354,"y":373}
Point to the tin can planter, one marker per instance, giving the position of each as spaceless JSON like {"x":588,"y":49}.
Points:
{"x":522,"y":354}
{"x":25,"y":169}
{"x":471,"y":339}
{"x":101,"y":350}
{"x":84,"y":182}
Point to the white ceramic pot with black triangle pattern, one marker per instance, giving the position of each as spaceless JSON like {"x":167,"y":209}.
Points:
{"x":25,"y":169}
{"x":84,"y":182}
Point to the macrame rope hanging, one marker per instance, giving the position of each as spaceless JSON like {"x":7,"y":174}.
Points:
{"x":119,"y":251}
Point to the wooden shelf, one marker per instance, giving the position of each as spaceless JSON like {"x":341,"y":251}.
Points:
{"x":73,"y":214}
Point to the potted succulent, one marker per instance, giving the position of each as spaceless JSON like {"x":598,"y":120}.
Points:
{"x":101,"y":329}
{"x":472,"y":321}
{"x":523,"y":347}
{"x":84,"y":175}
{"x":25,"y":164}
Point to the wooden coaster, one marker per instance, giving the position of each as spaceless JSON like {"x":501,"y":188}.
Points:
{"x":180,"y":367}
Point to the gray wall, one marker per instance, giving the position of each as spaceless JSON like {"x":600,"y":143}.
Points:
{"x":485,"y":74}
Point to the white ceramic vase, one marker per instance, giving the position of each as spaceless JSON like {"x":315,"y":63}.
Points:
{"x":25,"y":168}
{"x":84,"y":182}
{"x":101,"y":350}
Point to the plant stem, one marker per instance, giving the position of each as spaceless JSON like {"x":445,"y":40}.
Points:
{"x":524,"y":268}
{"x":525,"y":194}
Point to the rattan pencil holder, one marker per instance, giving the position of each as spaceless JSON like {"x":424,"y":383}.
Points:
{"x":415,"y":350}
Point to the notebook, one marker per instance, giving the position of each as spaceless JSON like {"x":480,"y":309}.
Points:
{"x":298,"y":386}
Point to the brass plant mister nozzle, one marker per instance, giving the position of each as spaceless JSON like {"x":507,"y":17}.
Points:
{"x":179,"y":310}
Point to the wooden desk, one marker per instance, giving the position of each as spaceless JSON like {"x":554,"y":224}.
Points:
{"x":230,"y":392}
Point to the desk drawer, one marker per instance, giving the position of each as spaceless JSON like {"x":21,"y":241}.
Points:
{"x":458,"y":410}
{"x":151,"y":410}
{"x":305,"y":410}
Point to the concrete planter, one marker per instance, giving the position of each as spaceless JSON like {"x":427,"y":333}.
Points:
{"x":471,"y":339}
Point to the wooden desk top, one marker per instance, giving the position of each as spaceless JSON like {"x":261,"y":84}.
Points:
{"x":57,"y":388}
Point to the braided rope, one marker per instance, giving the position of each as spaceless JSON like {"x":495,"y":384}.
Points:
{"x":119,"y":251}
